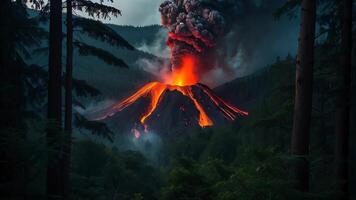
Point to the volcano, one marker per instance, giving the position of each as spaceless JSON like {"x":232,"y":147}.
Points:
{"x":179,"y":101}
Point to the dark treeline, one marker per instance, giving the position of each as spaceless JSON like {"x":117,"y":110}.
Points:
{"x":296,"y":143}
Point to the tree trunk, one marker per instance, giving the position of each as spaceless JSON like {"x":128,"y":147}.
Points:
{"x":54,"y":169}
{"x":68,"y":100}
{"x":303,"y":95}
{"x":12,"y":175}
{"x":342,"y":126}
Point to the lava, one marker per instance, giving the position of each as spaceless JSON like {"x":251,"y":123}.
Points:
{"x":194,"y":28}
{"x":180,"y":80}
{"x":184,"y":75}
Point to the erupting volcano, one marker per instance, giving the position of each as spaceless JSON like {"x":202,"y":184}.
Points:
{"x":193,"y":29}
{"x":181,"y":80}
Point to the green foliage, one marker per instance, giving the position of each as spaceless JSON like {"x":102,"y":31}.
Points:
{"x":84,"y":153}
{"x":35,"y":81}
{"x":25,"y":172}
{"x":185,"y":182}
{"x":23,"y":32}
{"x":271,"y":116}
{"x":222,"y":145}
{"x":111,"y":175}
{"x":190,"y":145}
{"x":260,"y":174}
{"x":27,"y":33}
{"x":17,"y":149}
{"x":98,"y":10}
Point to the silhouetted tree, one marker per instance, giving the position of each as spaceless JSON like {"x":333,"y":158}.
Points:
{"x":98,"y":10}
{"x":68,"y":100}
{"x":11,"y":97}
{"x":54,"y":165}
{"x":343,"y":102}
{"x":19,"y":34}
{"x":303,"y":94}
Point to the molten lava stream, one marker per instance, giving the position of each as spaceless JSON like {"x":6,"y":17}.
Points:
{"x":181,"y":80}
{"x":230,"y":112}
{"x":156,"y":93}
{"x":204,"y":119}
{"x":126,"y":102}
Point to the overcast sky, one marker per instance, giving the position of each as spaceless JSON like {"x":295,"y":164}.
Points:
{"x":134,"y":12}
{"x":137,"y":12}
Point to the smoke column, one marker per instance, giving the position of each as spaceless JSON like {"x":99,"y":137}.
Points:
{"x":230,"y":38}
{"x":194,"y":28}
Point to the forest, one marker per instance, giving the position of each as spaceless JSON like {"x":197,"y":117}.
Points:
{"x":58,"y":68}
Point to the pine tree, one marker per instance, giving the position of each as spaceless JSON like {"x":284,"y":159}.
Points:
{"x":68,"y":101}
{"x":303,"y":95}
{"x":342,"y":126}
{"x":100,"y":31}
{"x":55,"y":159}
{"x":19,"y":33}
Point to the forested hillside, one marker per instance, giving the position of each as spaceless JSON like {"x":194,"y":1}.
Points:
{"x":112,"y":81}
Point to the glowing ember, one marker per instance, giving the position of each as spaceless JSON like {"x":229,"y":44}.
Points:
{"x":180,"y":80}
{"x":145,"y":128}
{"x":136,"y":133}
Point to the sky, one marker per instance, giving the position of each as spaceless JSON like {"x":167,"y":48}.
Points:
{"x":277,"y":39}
{"x":136,"y":12}
{"x":266,"y":37}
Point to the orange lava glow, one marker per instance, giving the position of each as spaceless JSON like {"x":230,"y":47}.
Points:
{"x":185,"y":75}
{"x":180,"y":80}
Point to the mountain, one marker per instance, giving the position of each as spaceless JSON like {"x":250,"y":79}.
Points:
{"x":266,"y":95}
{"x":169,"y":109}
{"x":245,"y":91}
{"x":113,"y":82}
{"x":137,"y":35}
{"x":117,"y":83}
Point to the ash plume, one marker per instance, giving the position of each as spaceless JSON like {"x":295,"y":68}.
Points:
{"x":194,"y":27}
{"x":239,"y":37}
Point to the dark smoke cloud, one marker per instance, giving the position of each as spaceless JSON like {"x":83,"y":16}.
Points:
{"x":254,"y":37}
{"x":194,"y":27}
{"x":231,"y":37}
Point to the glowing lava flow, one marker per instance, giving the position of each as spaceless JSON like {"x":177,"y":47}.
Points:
{"x":155,"y":90}
{"x":183,"y":76}
{"x":180,"y":80}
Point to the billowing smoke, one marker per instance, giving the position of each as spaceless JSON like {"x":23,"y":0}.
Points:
{"x":231,"y":38}
{"x":194,"y":27}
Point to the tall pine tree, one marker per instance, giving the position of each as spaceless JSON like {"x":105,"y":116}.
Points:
{"x":98,"y":10}
{"x":303,"y":95}
{"x":343,"y":102}
{"x":19,"y":34}
{"x":54,"y":168}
